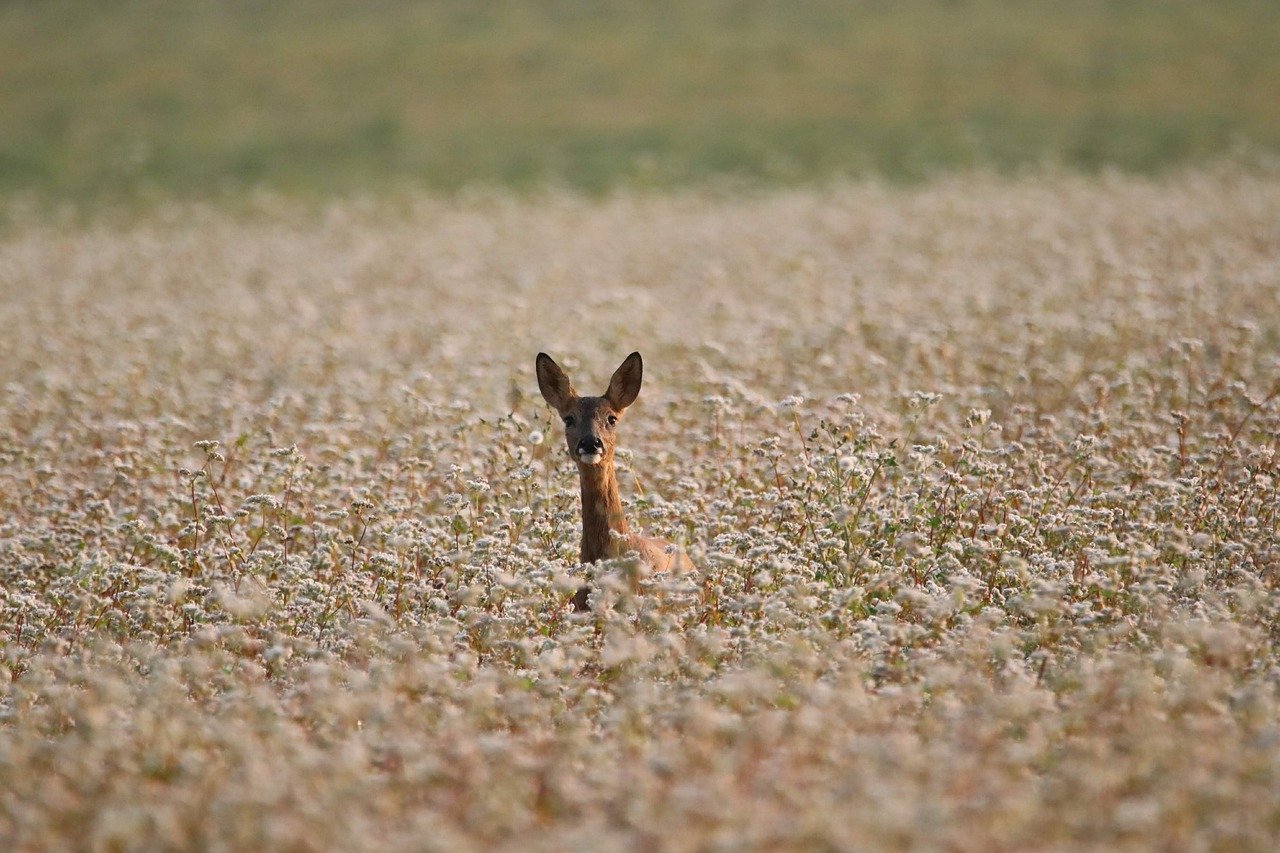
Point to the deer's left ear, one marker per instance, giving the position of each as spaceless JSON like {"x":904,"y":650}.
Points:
{"x":624,"y":387}
{"x":554,"y":384}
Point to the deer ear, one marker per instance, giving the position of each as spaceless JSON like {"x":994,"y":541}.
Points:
{"x":624,"y":387}
{"x":555,"y":386}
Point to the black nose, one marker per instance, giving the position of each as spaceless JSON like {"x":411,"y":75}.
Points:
{"x":589,"y":445}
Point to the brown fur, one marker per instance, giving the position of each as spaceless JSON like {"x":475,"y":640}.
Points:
{"x":605,"y":533}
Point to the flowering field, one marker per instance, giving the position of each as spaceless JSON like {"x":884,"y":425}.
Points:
{"x":980,"y":480}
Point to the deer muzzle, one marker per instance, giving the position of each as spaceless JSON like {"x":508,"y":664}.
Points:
{"x":590,"y":450}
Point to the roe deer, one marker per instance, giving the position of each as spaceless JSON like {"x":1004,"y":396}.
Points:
{"x":589,"y":430}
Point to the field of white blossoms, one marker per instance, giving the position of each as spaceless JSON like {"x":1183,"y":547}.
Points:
{"x":979,"y":478}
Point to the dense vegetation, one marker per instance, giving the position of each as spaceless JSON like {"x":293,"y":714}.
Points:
{"x":979,"y":477}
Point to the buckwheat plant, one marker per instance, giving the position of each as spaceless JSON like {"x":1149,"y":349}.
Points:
{"x":979,"y":480}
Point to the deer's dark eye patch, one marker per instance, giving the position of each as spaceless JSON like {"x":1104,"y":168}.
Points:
{"x":612,"y":419}
{"x":570,"y":420}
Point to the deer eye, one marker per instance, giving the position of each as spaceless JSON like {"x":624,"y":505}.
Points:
{"x":570,"y":420}
{"x":613,"y":419}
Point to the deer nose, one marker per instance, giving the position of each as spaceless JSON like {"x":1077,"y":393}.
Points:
{"x":590,"y":445}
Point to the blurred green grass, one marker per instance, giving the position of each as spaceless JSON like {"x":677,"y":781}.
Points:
{"x":191,"y":97}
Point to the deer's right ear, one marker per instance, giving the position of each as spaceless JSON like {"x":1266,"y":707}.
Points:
{"x":624,"y":387}
{"x":553,"y":383}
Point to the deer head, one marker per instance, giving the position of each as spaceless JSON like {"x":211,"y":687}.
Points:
{"x":590,"y":422}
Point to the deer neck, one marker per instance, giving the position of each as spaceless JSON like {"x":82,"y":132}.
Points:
{"x":601,"y":512}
